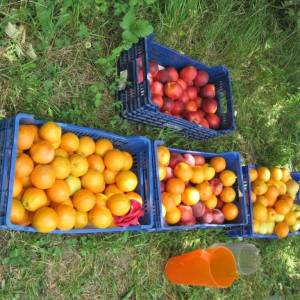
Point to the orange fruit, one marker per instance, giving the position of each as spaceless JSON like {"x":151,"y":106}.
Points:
{"x":81,"y":219}
{"x":205,"y":190}
{"x":34,"y":198}
{"x":175,"y":186}
{"x":260,"y":212}
{"x":118,"y":204}
{"x":112,"y":189}
{"x":59,"y":191}
{"x":84,"y":200}
{"x":24,"y":165}
{"x":230,"y":211}
{"x":96,"y":162}
{"x":209,"y":172}
{"x":271,"y":194}
{"x":271,"y":214}
{"x":114,"y":160}
{"x":281,"y":230}
{"x":109,"y":176}
{"x":262,"y":200}
{"x":259,"y":187}
{"x":27,"y":219}
{"x":86,"y":146}
{"x":263,"y":174}
{"x":79,"y":165}
{"x":228,"y":194}
{"x":177,"y":199}
{"x":43,"y":176}
{"x":135,"y":196}
{"x":61,"y":153}
{"x":66,"y":217}
{"x":102,"y":146}
{"x":287,"y":199}
{"x":276,"y":173}
{"x":69,"y":142}
{"x":100,"y":217}
{"x":101,"y":200}
{"x":66,"y":202}
{"x":163,"y":155}
{"x":56,"y":145}
{"x":126,"y":181}
{"x":162,"y":171}
{"x":42,"y":152}
{"x":183,"y":171}
{"x":18,"y":187}
{"x":163,"y":210}
{"x":292,"y":188}
{"x":45,"y":219}
{"x":290,"y":218}
{"x":17,"y":213}
{"x":93,"y":180}
{"x":253,"y":197}
{"x":198,"y":175}
{"x":227,"y":177}
{"x":281,"y":188}
{"x":256,"y":226}
{"x":286,"y":175}
{"x":212,"y":202}
{"x":190,"y":196}
{"x":26,"y":136}
{"x":128,"y":161}
{"x":50,"y":132}
{"x":173,"y":216}
{"x":218,"y":163}
{"x":253,"y":175}
{"x":282,"y":207}
{"x":168,"y":201}
{"x":74,"y":184}
{"x":61,"y":166}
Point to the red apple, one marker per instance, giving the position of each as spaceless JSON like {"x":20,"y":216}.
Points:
{"x":199,"y":209}
{"x":162,"y":187}
{"x":207,"y":218}
{"x":218,"y":217}
{"x":188,"y":73}
{"x":199,"y":160}
{"x":177,"y":116}
{"x":192,"y":105}
{"x":192,"y":92}
{"x":190,"y":83}
{"x":162,"y":76}
{"x":220,"y":204}
{"x":175,"y":159}
{"x":169,"y":173}
{"x":184,"y":98}
{"x":153,"y":68}
{"x":189,"y":159}
{"x":208,"y":90}
{"x":139,"y":61}
{"x":213,"y":120}
{"x":173,"y":90}
{"x":173,"y":74}
{"x":201,"y":79}
{"x":192,"y":116}
{"x":150,"y":78}
{"x":157,"y":88}
{"x":217,"y":186}
{"x":168,"y":105}
{"x":157,"y":100}
{"x":186,"y":213}
{"x":203,"y":122}
{"x":190,"y":222}
{"x":199,"y":101}
{"x":178,"y":108}
{"x":209,"y":105}
{"x":140,"y":75}
{"x":182,"y":83}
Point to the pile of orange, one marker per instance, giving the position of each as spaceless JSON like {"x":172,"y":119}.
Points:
{"x":273,"y":196}
{"x":192,"y":183}
{"x":63,"y":181}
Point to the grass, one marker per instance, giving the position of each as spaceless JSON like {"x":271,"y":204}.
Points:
{"x":257,"y":40}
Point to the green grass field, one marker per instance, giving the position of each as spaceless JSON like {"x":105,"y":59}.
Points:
{"x":257,"y":40}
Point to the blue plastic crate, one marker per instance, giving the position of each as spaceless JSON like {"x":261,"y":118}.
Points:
{"x":233,"y":163}
{"x":136,"y":97}
{"x":247,"y":231}
{"x":139,"y":147}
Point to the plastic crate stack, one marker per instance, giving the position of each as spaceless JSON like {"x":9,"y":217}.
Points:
{"x":136,"y":96}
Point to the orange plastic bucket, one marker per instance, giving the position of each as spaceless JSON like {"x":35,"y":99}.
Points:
{"x":215,"y":267}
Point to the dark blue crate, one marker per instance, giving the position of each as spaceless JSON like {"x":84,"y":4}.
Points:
{"x":233,"y":162}
{"x":247,"y":231}
{"x":139,"y":147}
{"x":136,"y":97}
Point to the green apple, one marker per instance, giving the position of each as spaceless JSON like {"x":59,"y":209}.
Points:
{"x":74,"y":184}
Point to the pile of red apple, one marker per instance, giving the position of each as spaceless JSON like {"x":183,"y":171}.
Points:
{"x":184,"y":94}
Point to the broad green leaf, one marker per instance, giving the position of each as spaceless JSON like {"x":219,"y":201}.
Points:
{"x":129,"y":36}
{"x":142,"y":28}
{"x":128,"y":20}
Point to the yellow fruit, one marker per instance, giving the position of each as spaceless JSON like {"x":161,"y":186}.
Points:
{"x":93,"y":180}
{"x":43,"y":176}
{"x":26,"y":136}
{"x":74,"y":184}
{"x":61,"y":153}
{"x":42,"y":152}
{"x":290,"y":218}
{"x":114,"y":160}
{"x":282,"y":207}
{"x":173,"y":216}
{"x":96,"y":162}
{"x":292,"y":188}
{"x":256,"y":226}
{"x":253,"y":175}
{"x":183,"y":171}
{"x":198,"y":175}
{"x":135,"y":196}
{"x":286,"y":175}
{"x":109,"y":176}
{"x":102,"y":146}
{"x":163,"y":155}
{"x":100,"y":217}
{"x":18,"y":213}
{"x":84,"y":200}
{"x":263,"y":173}
{"x":190,"y":196}
{"x":62,"y":167}
{"x":59,"y":192}
{"x":175,"y":186}
{"x":260,"y":212}
{"x":66,"y":217}
{"x":168,"y":200}
{"x":209,"y":172}
{"x":262,"y":200}
{"x":112,"y":189}
{"x":128,"y":161}
{"x":218,"y":163}
{"x":212,"y":202}
{"x":259,"y":187}
{"x":162,"y":171}
{"x":228,"y":178}
{"x":45,"y":219}
{"x":79,"y":165}
{"x":34,"y":199}
{"x":81,"y":219}
{"x":118,"y":204}
{"x":18,"y":187}
{"x":101,"y":200}
{"x":86,"y":146}
{"x":281,"y":230}
{"x":271,"y":214}
{"x":163,"y":210}
{"x":276,"y":173}
{"x":50,"y":132}
{"x":69,"y":142}
{"x":126,"y":181}
{"x":228,"y":194}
